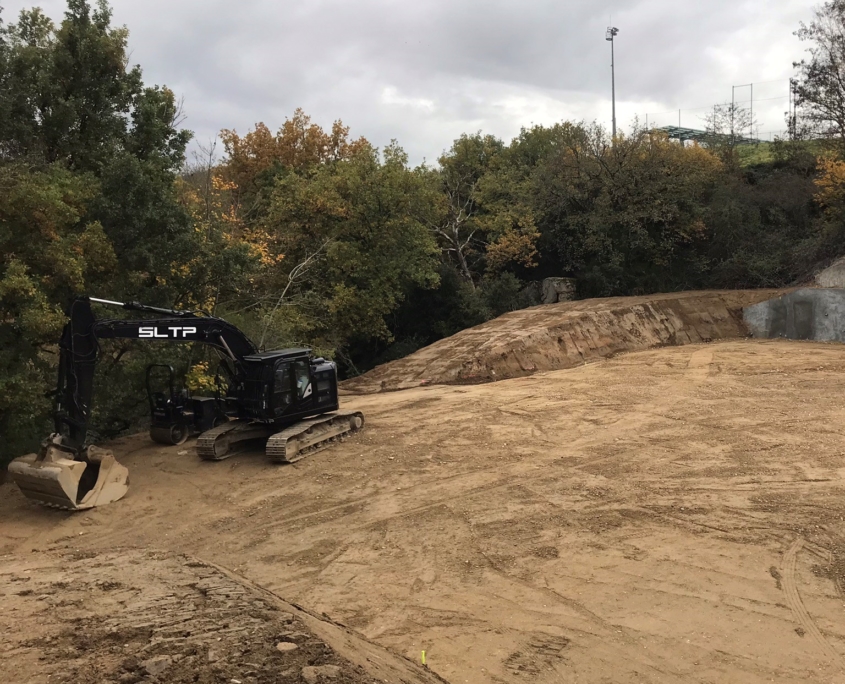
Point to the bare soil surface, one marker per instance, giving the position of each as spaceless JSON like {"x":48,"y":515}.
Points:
{"x":564,"y":335}
{"x":128,"y":616}
{"x":671,"y":515}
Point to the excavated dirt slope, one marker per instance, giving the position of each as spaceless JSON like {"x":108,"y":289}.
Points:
{"x":565,"y":335}
{"x":673,"y":515}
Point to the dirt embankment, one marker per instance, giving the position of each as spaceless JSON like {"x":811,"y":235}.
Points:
{"x":564,"y":335}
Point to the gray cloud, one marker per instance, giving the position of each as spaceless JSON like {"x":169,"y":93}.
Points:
{"x":426,"y":71}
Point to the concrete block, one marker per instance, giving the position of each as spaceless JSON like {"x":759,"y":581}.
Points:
{"x":806,"y":314}
{"x":558,"y":290}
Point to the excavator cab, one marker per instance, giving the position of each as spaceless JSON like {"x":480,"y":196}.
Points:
{"x":292,"y":386}
{"x":174,"y":414}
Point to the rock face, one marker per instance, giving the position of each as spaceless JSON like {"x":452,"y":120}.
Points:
{"x":833,"y":276}
{"x":558,"y":290}
{"x":550,"y":291}
{"x":564,"y":335}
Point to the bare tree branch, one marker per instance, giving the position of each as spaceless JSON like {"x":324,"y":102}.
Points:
{"x":296,"y":273}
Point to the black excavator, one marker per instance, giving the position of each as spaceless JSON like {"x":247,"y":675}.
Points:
{"x":286,"y":398}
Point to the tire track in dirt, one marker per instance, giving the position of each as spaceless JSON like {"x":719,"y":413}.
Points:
{"x":374,"y":532}
{"x":799,"y":610}
{"x":698,"y":367}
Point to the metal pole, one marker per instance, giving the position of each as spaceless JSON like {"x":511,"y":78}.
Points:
{"x":613,"y":85}
{"x":733,"y":91}
{"x":611,"y":32}
{"x":789,"y":113}
{"x":751,"y":116}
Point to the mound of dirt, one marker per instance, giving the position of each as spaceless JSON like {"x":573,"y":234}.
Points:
{"x":138,"y":616}
{"x":564,"y":335}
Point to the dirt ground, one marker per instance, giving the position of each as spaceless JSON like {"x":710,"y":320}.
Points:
{"x":129,"y":616}
{"x":672,"y":515}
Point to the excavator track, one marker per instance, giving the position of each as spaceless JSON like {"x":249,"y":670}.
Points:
{"x":222,"y":441}
{"x":309,"y":436}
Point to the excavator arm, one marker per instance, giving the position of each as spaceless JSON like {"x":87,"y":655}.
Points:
{"x":79,"y":350}
{"x":66,"y":473}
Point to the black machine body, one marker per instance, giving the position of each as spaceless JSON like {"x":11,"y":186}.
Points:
{"x":175,"y":415}
{"x":282,"y":387}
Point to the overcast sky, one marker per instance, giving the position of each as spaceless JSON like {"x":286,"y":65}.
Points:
{"x":425,"y":71}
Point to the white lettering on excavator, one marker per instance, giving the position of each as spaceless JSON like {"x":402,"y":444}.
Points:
{"x":153,"y":332}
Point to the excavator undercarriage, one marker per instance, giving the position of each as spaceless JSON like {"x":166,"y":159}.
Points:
{"x":288,"y":446}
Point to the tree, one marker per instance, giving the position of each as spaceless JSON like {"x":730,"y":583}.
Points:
{"x":68,"y":90}
{"x":88,"y":163}
{"x":362,"y":213}
{"x":455,"y":223}
{"x":299,"y":144}
{"x":820,"y":86}
{"x":226,"y":255}
{"x":480,"y":220}
{"x":728,"y":126}
{"x":624,"y":218}
{"x":50,"y":252}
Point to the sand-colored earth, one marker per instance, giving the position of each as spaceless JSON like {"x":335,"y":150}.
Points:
{"x":133,"y":615}
{"x":671,"y":515}
{"x":566,"y":335}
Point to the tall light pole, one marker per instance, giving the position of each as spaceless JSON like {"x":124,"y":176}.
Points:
{"x":611,"y":32}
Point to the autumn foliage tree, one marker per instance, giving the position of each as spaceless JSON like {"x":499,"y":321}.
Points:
{"x":299,"y":144}
{"x":363,"y":211}
{"x":480,"y":222}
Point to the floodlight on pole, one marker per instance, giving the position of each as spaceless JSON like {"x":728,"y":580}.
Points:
{"x":609,"y":36}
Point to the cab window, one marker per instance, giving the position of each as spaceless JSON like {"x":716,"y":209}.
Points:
{"x":303,"y":379}
{"x":281,"y":387}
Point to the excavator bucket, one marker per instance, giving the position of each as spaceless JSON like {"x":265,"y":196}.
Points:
{"x":53,"y":479}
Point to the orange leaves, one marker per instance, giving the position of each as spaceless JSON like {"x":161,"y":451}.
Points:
{"x":830,"y":182}
{"x":263,"y":245}
{"x":514,"y":247}
{"x":298,"y":144}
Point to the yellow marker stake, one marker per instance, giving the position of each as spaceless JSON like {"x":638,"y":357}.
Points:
{"x":423,"y":657}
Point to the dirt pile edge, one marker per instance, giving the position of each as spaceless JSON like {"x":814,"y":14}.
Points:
{"x":565,"y":335}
